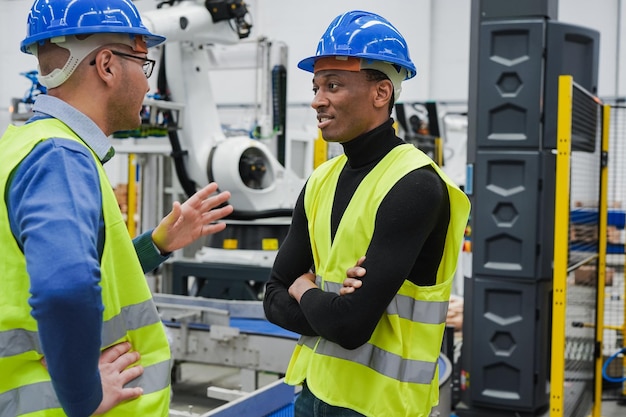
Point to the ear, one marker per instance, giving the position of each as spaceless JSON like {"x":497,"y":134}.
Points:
{"x":106,"y":66}
{"x":383,"y":93}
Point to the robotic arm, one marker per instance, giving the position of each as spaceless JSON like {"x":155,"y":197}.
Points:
{"x":215,"y":21}
{"x":260,"y":186}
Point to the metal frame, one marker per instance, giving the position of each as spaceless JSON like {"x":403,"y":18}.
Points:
{"x":561,"y":226}
{"x":561,"y":268}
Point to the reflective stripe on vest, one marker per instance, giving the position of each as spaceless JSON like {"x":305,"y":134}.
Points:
{"x":430,"y":312}
{"x":377,"y":359}
{"x":17,"y":341}
{"x":41,"y":395}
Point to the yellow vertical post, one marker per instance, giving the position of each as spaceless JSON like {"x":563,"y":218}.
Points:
{"x":131,"y":195}
{"x":561,"y":244}
{"x":602,"y":244}
{"x":320,"y":150}
{"x":439,"y":151}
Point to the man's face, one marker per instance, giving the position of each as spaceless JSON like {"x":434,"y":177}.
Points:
{"x":344,"y":101}
{"x":132,"y":90}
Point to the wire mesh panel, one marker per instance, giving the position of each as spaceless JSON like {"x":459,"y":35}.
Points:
{"x":614,"y":387}
{"x":578,"y":245}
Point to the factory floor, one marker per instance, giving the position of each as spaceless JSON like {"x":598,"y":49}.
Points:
{"x":613,"y":409}
{"x":190,"y":393}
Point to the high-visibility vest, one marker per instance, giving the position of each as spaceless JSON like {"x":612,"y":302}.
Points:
{"x":396,"y":372}
{"x":129,"y":311}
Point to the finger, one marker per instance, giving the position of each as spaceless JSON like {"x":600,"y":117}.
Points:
{"x":205,"y":191}
{"x":216,"y":214}
{"x":210,"y":229}
{"x":346,"y":290}
{"x":355,"y":271}
{"x":352,"y":283}
{"x":131,"y":373}
{"x":130,"y":393}
{"x":175,"y":213}
{"x":172,"y":216}
{"x":360,"y":261}
{"x":127,"y":359}
{"x":112,"y":353}
{"x":215,"y":200}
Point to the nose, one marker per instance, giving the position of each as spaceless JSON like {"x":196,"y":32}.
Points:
{"x":319,"y":100}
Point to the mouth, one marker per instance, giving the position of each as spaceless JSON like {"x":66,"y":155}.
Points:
{"x":323,"y":121}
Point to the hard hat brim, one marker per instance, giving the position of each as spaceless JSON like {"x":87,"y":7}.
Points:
{"x":150,"y":38}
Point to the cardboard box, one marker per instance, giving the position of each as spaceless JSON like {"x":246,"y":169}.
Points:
{"x":587,"y":275}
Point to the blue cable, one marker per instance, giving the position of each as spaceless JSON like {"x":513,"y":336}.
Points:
{"x":606,"y":365}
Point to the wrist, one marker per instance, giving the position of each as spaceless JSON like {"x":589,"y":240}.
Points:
{"x":299,"y":287}
{"x":158,"y":244}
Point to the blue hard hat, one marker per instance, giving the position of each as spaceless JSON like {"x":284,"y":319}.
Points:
{"x":52,"y":18}
{"x":364,"y":35}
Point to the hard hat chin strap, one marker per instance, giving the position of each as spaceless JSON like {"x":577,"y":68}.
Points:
{"x":79,"y":49}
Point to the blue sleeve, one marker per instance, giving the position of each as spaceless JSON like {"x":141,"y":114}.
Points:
{"x":55,"y":210}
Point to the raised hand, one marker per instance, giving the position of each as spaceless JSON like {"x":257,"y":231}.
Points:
{"x":193,"y":219}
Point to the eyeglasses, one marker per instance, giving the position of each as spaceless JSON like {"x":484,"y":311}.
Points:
{"x":147,"y":66}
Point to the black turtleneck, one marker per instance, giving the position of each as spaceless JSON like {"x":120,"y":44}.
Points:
{"x":408,"y":243}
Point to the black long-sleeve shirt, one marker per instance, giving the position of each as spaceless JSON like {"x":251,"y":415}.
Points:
{"x":407,"y":243}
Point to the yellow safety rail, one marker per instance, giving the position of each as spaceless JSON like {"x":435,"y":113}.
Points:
{"x":561,"y":244}
{"x":614,"y":320}
{"x":567,"y":308}
{"x":602,"y":245}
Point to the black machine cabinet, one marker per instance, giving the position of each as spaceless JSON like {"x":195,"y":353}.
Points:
{"x":518,"y":50}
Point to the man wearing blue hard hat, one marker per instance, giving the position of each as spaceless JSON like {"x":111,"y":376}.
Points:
{"x":79,"y":332}
{"x":365,"y":272}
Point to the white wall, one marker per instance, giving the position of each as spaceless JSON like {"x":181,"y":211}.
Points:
{"x":437,"y":32}
{"x":302,"y":23}
{"x":13,"y":16}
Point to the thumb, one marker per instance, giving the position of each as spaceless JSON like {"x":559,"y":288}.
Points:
{"x":131,"y":393}
{"x":160,"y":233}
{"x":173,"y":215}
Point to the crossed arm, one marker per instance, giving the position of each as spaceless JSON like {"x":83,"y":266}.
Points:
{"x":306,"y":281}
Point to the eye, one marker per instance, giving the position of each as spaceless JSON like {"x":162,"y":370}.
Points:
{"x":332,"y":86}
{"x":315,"y":90}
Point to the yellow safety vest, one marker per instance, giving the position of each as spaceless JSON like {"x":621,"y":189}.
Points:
{"x":129,"y":311}
{"x":395,"y":373}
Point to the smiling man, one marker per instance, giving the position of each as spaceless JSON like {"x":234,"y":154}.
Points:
{"x":383,"y":206}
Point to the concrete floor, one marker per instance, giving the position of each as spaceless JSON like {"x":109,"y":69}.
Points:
{"x":190,"y":394}
{"x":613,"y":409}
